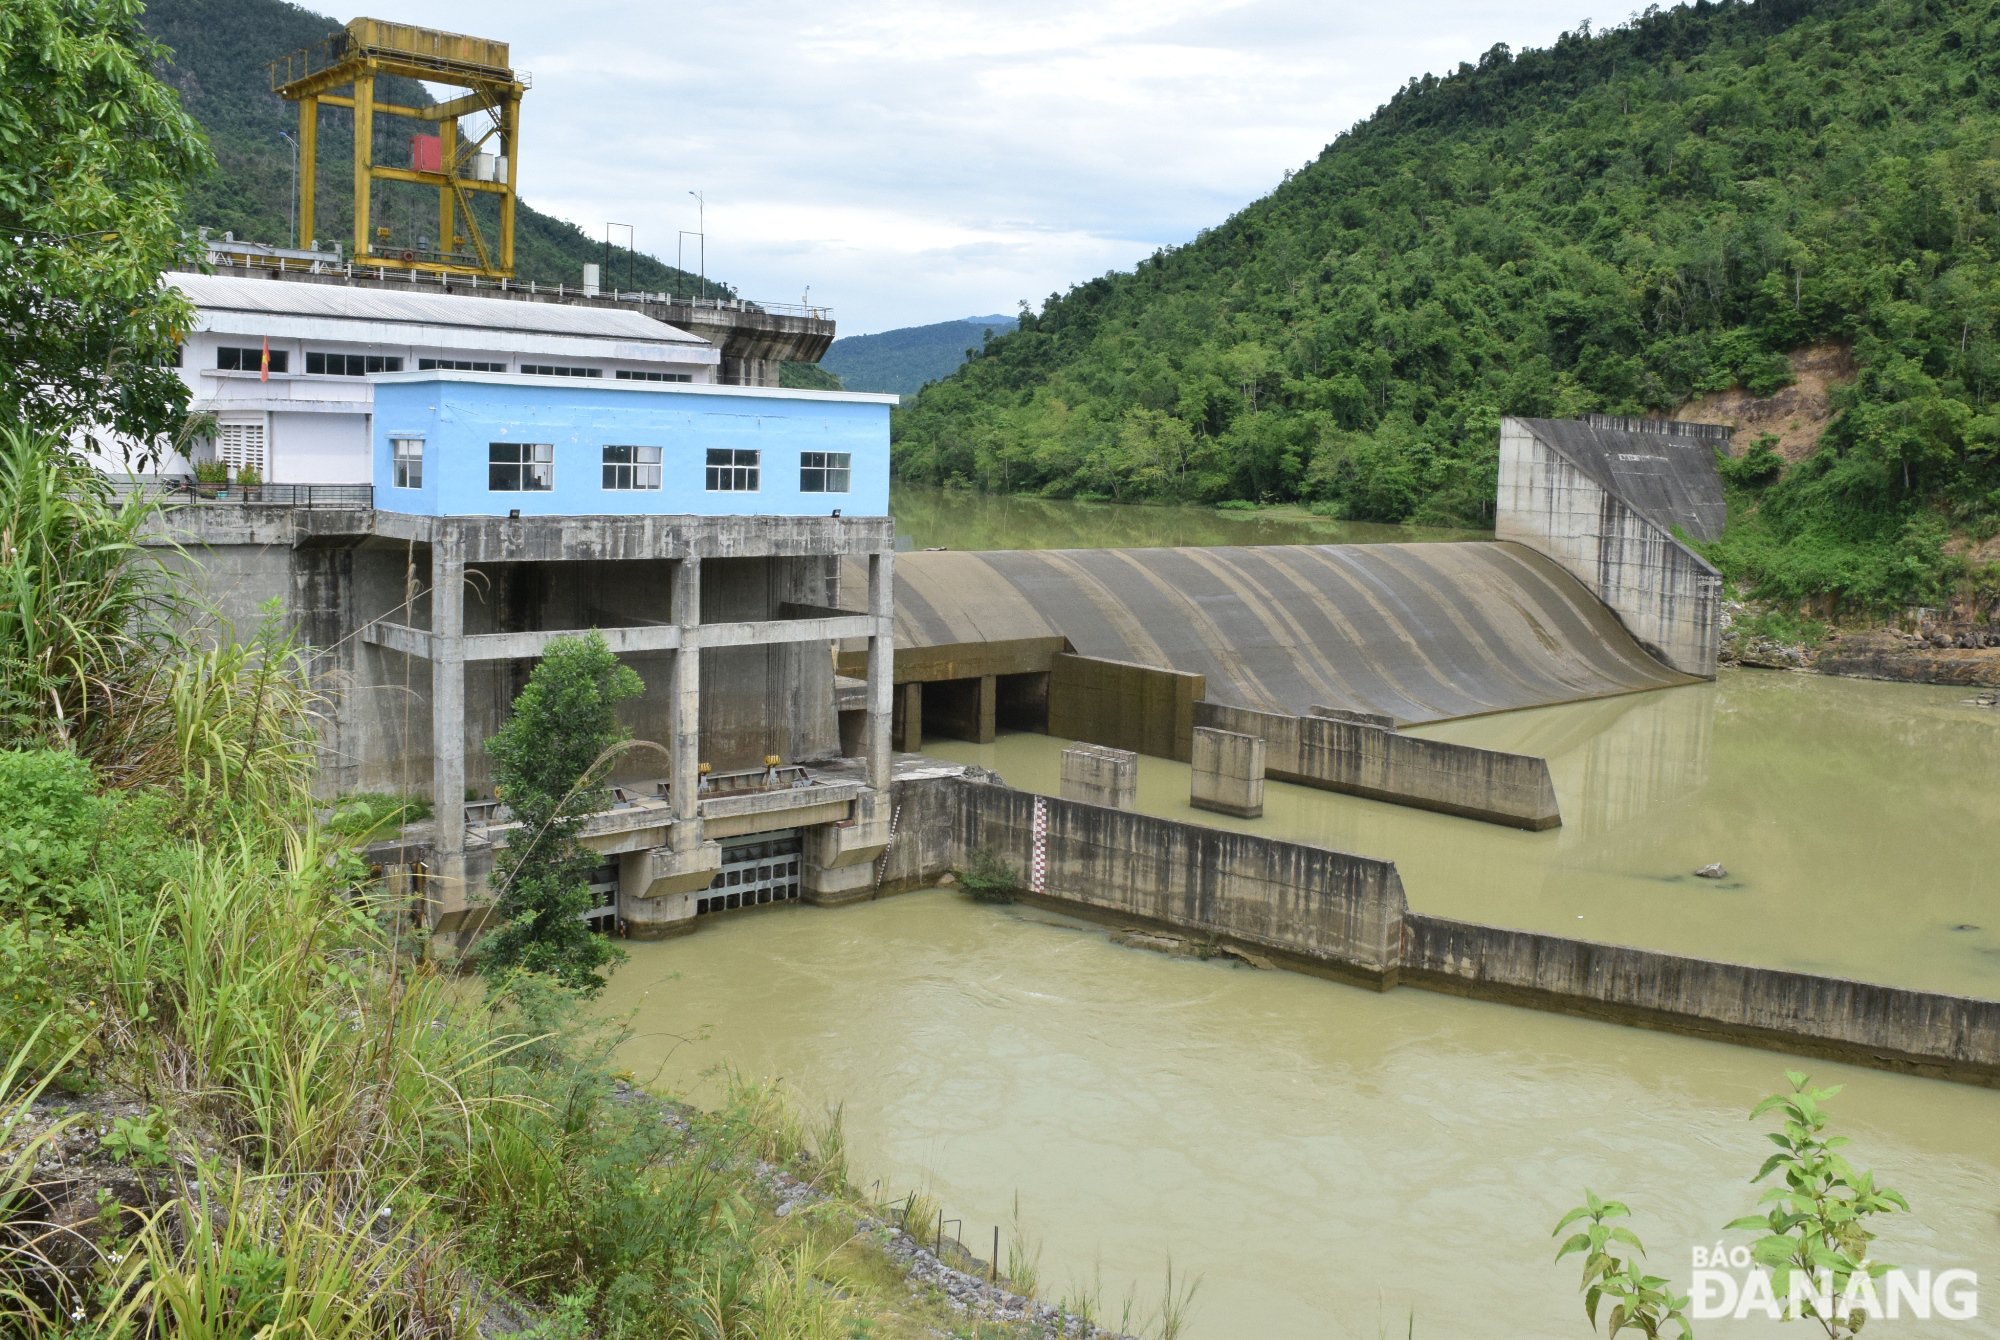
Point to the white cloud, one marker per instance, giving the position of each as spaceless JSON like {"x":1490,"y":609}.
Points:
{"x":918,"y":160}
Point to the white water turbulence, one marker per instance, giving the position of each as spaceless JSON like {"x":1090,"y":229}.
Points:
{"x":1331,"y":1162}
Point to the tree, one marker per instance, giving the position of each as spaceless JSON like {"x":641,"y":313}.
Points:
{"x":95,"y":153}
{"x":550,"y":760}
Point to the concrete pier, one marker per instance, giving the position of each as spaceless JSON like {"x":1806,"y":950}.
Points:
{"x":1096,"y":774}
{"x":1228,"y":773}
{"x":1363,"y":755}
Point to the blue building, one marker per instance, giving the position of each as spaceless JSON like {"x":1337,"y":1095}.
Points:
{"x":471,"y":444}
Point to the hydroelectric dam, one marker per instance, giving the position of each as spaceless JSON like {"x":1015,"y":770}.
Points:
{"x":1306,"y":660}
{"x":774,"y":772}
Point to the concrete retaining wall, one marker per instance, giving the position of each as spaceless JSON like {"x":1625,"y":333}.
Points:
{"x":1665,"y":594}
{"x":1346,"y":916}
{"x":1342,"y":752}
{"x":1319,"y":909}
{"x":1887,"y":1027}
{"x":1142,"y":708}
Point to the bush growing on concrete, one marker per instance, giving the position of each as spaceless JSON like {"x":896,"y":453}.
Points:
{"x":990,"y":879}
{"x":549,"y":764}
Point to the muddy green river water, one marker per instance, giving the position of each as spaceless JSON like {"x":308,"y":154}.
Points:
{"x":1331,"y":1162}
{"x":952,"y":519}
{"x":1859,"y":823}
{"x":1338,"y":1163}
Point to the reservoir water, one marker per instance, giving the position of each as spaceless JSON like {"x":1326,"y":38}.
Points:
{"x":1859,"y":823}
{"x":954,"y":519}
{"x":1338,"y":1163}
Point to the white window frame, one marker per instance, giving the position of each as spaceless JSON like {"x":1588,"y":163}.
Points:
{"x":740,"y":470}
{"x":638,"y":472}
{"x":407,"y":457}
{"x":831,"y":477}
{"x":534,"y":464}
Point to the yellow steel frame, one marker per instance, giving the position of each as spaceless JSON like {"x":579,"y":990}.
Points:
{"x":347,"y":60}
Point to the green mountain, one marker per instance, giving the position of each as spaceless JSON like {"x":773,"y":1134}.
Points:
{"x":1624,"y":221}
{"x":220,"y":49}
{"x":902,"y":360}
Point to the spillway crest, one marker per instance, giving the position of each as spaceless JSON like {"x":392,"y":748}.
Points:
{"x":1417,"y":632}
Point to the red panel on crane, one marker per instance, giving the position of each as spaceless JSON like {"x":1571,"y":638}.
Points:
{"x":426,"y":153}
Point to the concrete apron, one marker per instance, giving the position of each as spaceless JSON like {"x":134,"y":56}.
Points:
{"x":1344,"y":917}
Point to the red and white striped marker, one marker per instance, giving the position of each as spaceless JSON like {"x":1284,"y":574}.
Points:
{"x":1038,"y":868}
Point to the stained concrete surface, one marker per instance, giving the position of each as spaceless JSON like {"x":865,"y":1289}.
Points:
{"x":1416,"y":632}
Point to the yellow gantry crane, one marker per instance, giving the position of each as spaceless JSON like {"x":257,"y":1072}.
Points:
{"x":459,"y":165}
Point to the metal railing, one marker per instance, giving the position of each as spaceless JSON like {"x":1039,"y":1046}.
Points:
{"x":187,"y":492}
{"x":222,"y":254}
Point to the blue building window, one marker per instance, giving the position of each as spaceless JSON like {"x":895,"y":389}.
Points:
{"x":520,"y":467}
{"x":825,"y":471}
{"x":627,"y":468}
{"x":732,"y":470}
{"x":409,"y":453}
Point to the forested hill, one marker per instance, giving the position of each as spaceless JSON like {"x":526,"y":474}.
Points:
{"x":900,"y":361}
{"x":220,"y":49}
{"x":1622,"y":222}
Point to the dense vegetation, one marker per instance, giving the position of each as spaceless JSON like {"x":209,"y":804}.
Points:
{"x":233,"y":1103}
{"x":220,"y":50}
{"x":92,"y":155}
{"x":1620,"y":222}
{"x":901,"y":361}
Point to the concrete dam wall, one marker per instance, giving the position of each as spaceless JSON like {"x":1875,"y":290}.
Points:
{"x":1413,"y":632}
{"x":1609,"y":499}
{"x":1346,"y":916}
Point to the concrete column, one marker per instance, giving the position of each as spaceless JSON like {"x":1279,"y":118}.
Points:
{"x":882,"y":670}
{"x":1227,"y":773}
{"x":448,"y":714}
{"x":989,"y":708}
{"x":684,"y":690}
{"x":910,"y":716}
{"x":1097,"y":774}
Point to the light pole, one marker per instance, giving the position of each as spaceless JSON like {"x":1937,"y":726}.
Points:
{"x":701,"y":231}
{"x":294,"y":225}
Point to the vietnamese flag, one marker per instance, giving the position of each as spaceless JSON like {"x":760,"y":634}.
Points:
{"x":264,"y":364}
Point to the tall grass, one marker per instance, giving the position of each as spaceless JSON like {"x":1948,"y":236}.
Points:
{"x":356,"y":1141}
{"x":106,"y":650}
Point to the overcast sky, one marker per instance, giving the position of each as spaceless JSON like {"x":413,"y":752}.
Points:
{"x":912,"y":161}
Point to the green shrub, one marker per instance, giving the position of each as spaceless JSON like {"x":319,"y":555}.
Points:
{"x":367,"y":815}
{"x":49,"y":816}
{"x":990,"y":879}
{"x":1755,"y":468}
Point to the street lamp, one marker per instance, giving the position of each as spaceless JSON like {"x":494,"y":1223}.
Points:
{"x":701,"y":227}
{"x":294,"y":224}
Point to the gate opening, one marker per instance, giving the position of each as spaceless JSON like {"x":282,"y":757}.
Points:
{"x":757,"y":868}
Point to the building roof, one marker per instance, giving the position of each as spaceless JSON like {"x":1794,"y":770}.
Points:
{"x":296,"y":298}
{"x":592,"y":386}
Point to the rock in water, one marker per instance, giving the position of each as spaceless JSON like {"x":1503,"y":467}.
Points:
{"x":1713,"y":870}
